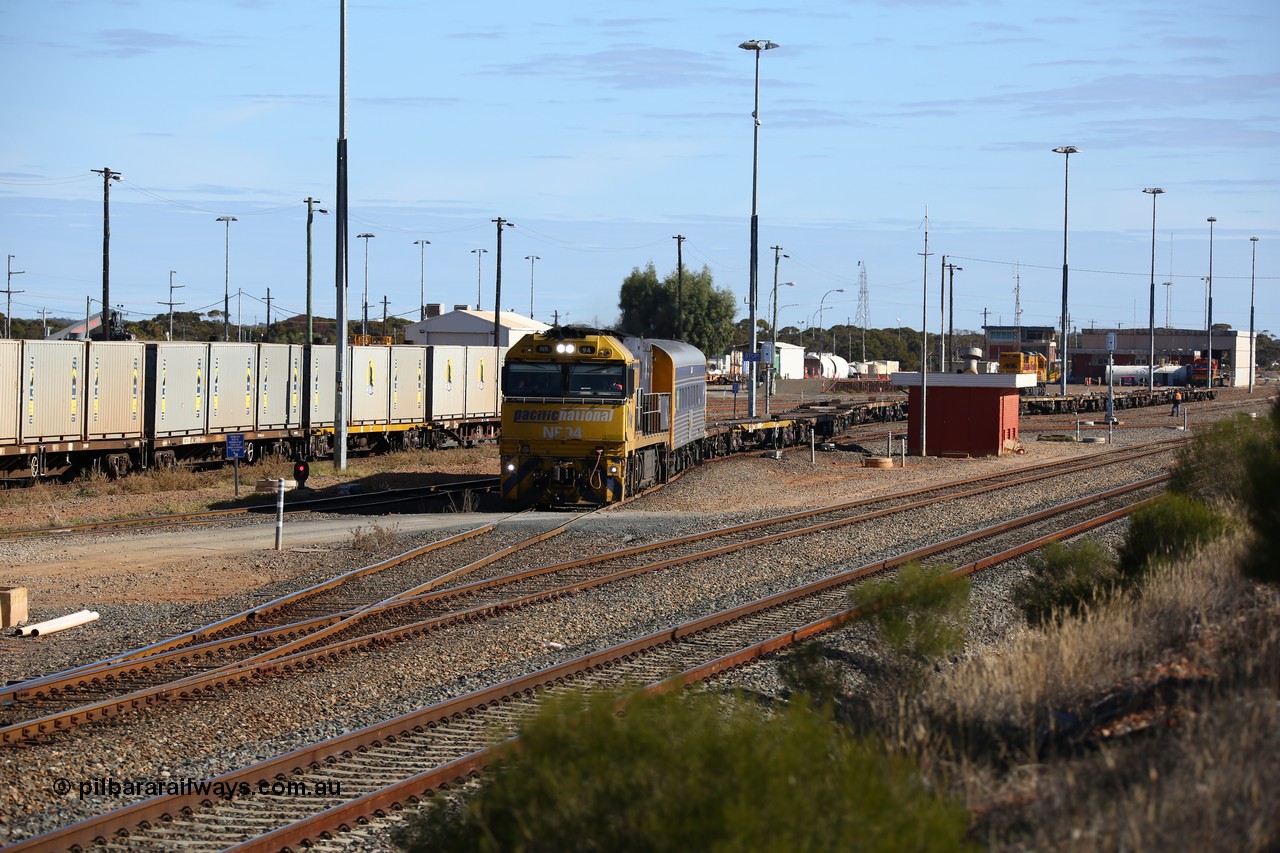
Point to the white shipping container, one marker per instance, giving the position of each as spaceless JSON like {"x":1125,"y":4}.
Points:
{"x":408,"y":402}
{"x":177,"y":393}
{"x":464,"y":382}
{"x":321,"y":396}
{"x":233,"y":383}
{"x":53,"y":402}
{"x":10,"y":391}
{"x":484,"y":372}
{"x":370,"y":384}
{"x":115,"y":390}
{"x":279,"y":386}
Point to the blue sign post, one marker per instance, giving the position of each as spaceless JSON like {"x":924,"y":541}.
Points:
{"x":235,"y":452}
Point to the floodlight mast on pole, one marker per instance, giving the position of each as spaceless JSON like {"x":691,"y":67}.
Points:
{"x":1151,"y":316}
{"x":422,"y":279}
{"x":478,"y":253}
{"x":1253,"y":271}
{"x":1066,"y":150}
{"x":532,"y":259}
{"x":759,"y":46}
{"x":226,"y":280}
{"x":340,"y":256}
{"x":821,"y":328}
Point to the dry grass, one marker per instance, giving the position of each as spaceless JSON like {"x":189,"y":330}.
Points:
{"x":1152,"y":723}
{"x":374,"y":538}
{"x":97,"y":497}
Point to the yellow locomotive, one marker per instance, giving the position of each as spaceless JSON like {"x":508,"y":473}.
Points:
{"x":590,"y":417}
{"x":1030,"y":362}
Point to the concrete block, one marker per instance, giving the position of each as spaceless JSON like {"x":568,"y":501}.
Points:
{"x":273,"y":485}
{"x":13,"y":605}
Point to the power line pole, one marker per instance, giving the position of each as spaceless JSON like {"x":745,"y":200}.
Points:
{"x":171,"y":303}
{"x":679,"y":238}
{"x":8,"y":292}
{"x":950,"y":342}
{"x":107,"y":177}
{"x":268,"y":332}
{"x":384,"y":315}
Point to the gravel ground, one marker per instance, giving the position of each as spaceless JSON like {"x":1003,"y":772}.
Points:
{"x":202,"y":738}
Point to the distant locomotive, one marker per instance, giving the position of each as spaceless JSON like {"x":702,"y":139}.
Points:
{"x":68,"y":406}
{"x":591,"y":418}
{"x":1035,"y":363}
{"x":1200,"y":373}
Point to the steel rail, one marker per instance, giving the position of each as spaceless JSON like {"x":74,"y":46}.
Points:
{"x":302,"y":650}
{"x":296,"y":505}
{"x":119,"y":822}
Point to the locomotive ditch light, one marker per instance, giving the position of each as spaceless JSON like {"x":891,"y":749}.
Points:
{"x":301,"y":470}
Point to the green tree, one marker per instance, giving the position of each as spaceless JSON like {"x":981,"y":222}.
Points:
{"x":648,"y":308}
{"x":675,"y":773}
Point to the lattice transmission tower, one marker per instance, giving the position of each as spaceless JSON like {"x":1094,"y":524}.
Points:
{"x":864,"y":306}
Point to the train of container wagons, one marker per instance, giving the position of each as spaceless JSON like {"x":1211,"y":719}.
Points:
{"x":120,"y":406}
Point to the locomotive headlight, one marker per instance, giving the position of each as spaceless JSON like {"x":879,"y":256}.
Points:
{"x":613,"y":469}
{"x":511,"y":466}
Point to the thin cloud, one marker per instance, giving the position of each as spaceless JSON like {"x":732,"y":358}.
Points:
{"x":126,"y":43}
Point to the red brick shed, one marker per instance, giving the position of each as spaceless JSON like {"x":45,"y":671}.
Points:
{"x":969,"y":414}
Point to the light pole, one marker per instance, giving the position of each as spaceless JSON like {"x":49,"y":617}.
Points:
{"x":759,"y":46}
{"x":422,"y":280}
{"x":532,"y":259}
{"x":1168,"y":292}
{"x":773,"y":331}
{"x":364,"y":314}
{"x":479,"y":253}
{"x":311,"y":211}
{"x":1151,"y":318}
{"x":226,"y":281}
{"x":1067,"y":151}
{"x":1209,"y":318}
{"x":171,"y":303}
{"x":821,"y":307}
{"x":497,"y":283}
{"x":1253,"y":270}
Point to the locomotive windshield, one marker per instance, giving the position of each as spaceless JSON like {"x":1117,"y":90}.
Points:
{"x":542,"y":379}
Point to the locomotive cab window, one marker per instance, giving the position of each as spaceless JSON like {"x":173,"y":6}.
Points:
{"x":595,"y":380}
{"x":526,"y":379}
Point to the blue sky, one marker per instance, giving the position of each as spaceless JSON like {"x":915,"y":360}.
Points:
{"x":603,"y":129}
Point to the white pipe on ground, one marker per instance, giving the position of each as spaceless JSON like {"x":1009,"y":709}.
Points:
{"x":62,"y":623}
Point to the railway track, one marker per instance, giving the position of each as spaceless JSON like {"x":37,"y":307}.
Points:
{"x":368,"y":773}
{"x":390,"y":601}
{"x":426,"y":498}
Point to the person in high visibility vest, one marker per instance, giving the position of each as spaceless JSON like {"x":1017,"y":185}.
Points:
{"x":1177,"y":403}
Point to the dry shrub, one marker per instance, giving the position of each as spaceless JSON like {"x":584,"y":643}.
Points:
{"x":1015,"y":686}
{"x":375,"y":538}
{"x":1033,"y":734}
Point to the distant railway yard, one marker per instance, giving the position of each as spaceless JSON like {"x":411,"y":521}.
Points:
{"x":372,"y":658}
